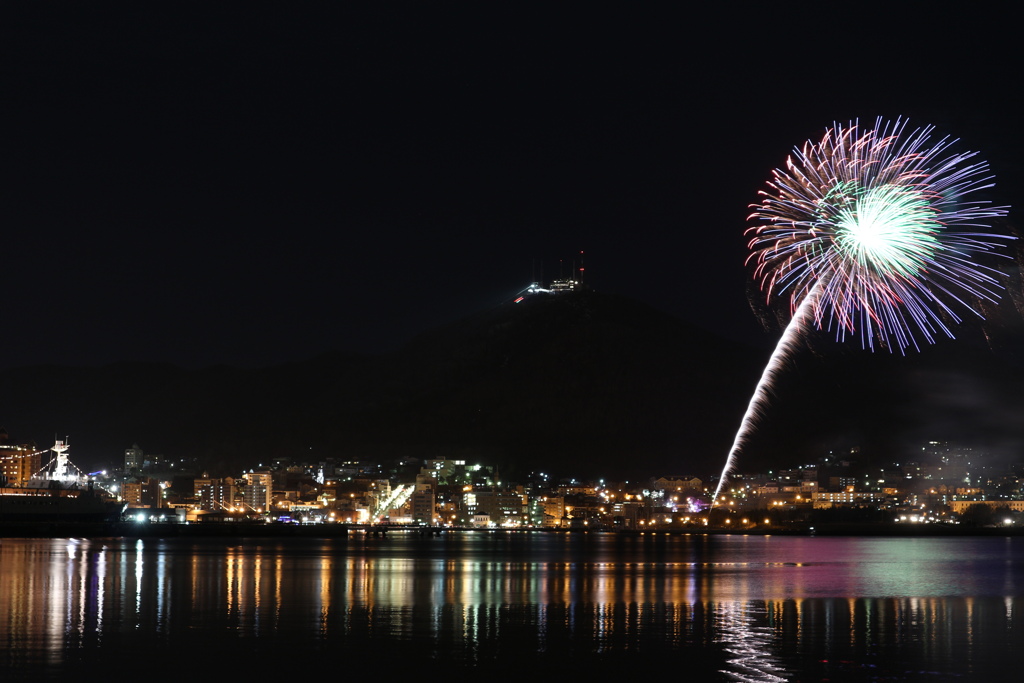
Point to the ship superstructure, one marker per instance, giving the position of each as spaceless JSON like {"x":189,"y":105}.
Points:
{"x":59,"y":491}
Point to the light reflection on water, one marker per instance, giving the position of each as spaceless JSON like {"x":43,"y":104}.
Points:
{"x":733,"y":608}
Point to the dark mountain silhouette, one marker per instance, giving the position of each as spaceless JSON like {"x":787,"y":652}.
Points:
{"x":584,"y":384}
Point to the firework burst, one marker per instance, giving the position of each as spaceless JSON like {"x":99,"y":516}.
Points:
{"x":872,"y":233}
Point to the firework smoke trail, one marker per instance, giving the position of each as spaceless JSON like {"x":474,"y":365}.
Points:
{"x":871,"y":233}
{"x":798,"y":324}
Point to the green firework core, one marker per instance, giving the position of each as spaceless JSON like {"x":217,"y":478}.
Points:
{"x":889,"y":229}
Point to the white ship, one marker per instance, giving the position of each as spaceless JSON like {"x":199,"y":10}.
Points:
{"x":58,"y":493}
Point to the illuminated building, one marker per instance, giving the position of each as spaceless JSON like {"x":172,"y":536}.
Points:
{"x":553,"y":510}
{"x":144,"y":493}
{"x":259,"y":491}
{"x":559,"y":286}
{"x":959,"y":506}
{"x":133,"y":460}
{"x":504,"y":508}
{"x":19,"y":463}
{"x":215,"y":494}
{"x":424,"y":499}
{"x":679,"y":484}
{"x":828,"y":499}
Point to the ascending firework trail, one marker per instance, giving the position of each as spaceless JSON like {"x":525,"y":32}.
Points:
{"x":870,"y":233}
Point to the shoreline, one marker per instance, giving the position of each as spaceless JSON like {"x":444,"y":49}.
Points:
{"x":24,"y":529}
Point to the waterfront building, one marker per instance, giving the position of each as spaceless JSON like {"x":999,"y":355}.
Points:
{"x":503,"y":508}
{"x":18,"y":464}
{"x":553,"y":510}
{"x":259,"y":491}
{"x":215,"y":494}
{"x":960,"y":506}
{"x":424,"y":500}
{"x":143,"y":493}
{"x":627,"y":514}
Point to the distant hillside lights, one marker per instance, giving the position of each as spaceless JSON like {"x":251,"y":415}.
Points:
{"x":561,"y":285}
{"x":556,"y":287}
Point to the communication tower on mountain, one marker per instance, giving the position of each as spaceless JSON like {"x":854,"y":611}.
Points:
{"x":566,"y":282}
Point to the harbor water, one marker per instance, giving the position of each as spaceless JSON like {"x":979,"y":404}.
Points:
{"x":508,"y":605}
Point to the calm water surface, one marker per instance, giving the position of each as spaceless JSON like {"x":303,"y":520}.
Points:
{"x":514,"y":605}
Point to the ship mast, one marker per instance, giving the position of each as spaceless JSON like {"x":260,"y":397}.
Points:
{"x":62,"y":468}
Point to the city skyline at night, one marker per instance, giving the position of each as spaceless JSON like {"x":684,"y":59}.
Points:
{"x":362,"y":340}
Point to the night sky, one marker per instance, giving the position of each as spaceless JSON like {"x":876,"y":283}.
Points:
{"x":261,"y":184}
